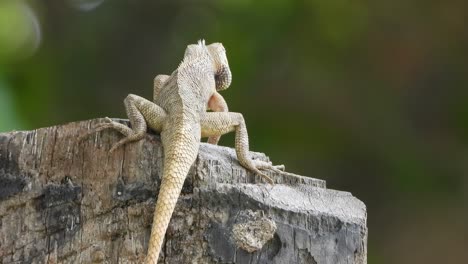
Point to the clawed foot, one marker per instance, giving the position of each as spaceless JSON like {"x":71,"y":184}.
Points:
{"x":277,"y":168}
{"x":98,"y":128}
{"x":264,"y":176}
{"x":109,"y":123}
{"x":125,"y":140}
{"x":263,"y":165}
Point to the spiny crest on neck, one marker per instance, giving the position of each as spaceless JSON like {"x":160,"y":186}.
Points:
{"x":201,"y":43}
{"x":193,"y":52}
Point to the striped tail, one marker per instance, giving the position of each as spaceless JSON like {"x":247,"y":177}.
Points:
{"x":178,"y":160}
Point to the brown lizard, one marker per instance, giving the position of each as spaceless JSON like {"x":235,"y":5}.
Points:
{"x":179,"y":114}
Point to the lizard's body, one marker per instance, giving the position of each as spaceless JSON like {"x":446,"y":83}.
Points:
{"x":179,"y":113}
{"x":216,"y":102}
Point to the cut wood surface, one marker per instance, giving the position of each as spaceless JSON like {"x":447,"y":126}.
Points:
{"x":65,"y":201}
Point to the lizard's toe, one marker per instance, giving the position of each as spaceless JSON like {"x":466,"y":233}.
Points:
{"x":98,"y":128}
{"x":125,"y":140}
{"x":115,"y":146}
{"x":279,"y":167}
{"x":265,"y":177}
{"x":267,"y":165}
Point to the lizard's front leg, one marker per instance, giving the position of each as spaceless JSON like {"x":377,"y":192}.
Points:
{"x":217,"y":104}
{"x":215,"y":123}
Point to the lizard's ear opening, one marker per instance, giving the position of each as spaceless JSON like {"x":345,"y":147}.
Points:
{"x":223,"y":78}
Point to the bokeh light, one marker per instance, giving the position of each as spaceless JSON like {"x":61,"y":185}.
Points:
{"x":20,"y":33}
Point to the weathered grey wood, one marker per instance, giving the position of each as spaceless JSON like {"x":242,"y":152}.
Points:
{"x":63,"y":201}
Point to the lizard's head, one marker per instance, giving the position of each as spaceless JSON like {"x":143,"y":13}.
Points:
{"x":223,"y":76}
{"x":218,"y":57}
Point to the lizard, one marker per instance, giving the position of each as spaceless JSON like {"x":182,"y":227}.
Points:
{"x":179,"y":113}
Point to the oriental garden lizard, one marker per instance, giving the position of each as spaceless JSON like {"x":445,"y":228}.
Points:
{"x":179,"y":113}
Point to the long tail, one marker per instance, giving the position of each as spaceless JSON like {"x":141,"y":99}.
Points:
{"x":179,"y":157}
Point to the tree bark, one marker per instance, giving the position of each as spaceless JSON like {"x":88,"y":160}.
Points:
{"x":65,"y":201}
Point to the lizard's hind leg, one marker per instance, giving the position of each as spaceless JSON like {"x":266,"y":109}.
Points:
{"x":218,"y":123}
{"x":140,"y":112}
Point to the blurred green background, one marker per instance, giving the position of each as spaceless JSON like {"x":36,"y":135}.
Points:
{"x":369,"y":95}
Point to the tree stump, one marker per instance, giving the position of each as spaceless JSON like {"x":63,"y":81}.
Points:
{"x":69,"y":201}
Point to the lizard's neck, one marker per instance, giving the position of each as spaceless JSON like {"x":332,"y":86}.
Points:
{"x":195,"y":83}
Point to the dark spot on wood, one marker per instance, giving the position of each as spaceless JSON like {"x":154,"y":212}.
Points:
{"x":305,"y":257}
{"x":60,"y":208}
{"x":55,"y":195}
{"x":64,"y":218}
{"x":136,"y":192}
{"x":221,"y":246}
{"x":9,"y":154}
{"x":188,"y":186}
{"x":273,"y":247}
{"x":10,"y":185}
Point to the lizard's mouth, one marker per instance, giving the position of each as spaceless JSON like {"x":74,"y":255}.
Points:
{"x":223,"y":78}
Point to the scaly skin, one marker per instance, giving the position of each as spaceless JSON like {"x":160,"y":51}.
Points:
{"x":179,"y":113}
{"x":216,"y":102}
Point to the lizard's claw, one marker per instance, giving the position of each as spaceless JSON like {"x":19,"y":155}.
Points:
{"x":264,"y":176}
{"x":115,"y":146}
{"x":266,"y":165}
{"x":125,"y":140}
{"x":108,"y":123}
{"x":123,"y":129}
{"x":278,"y":168}
{"x":98,"y":128}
